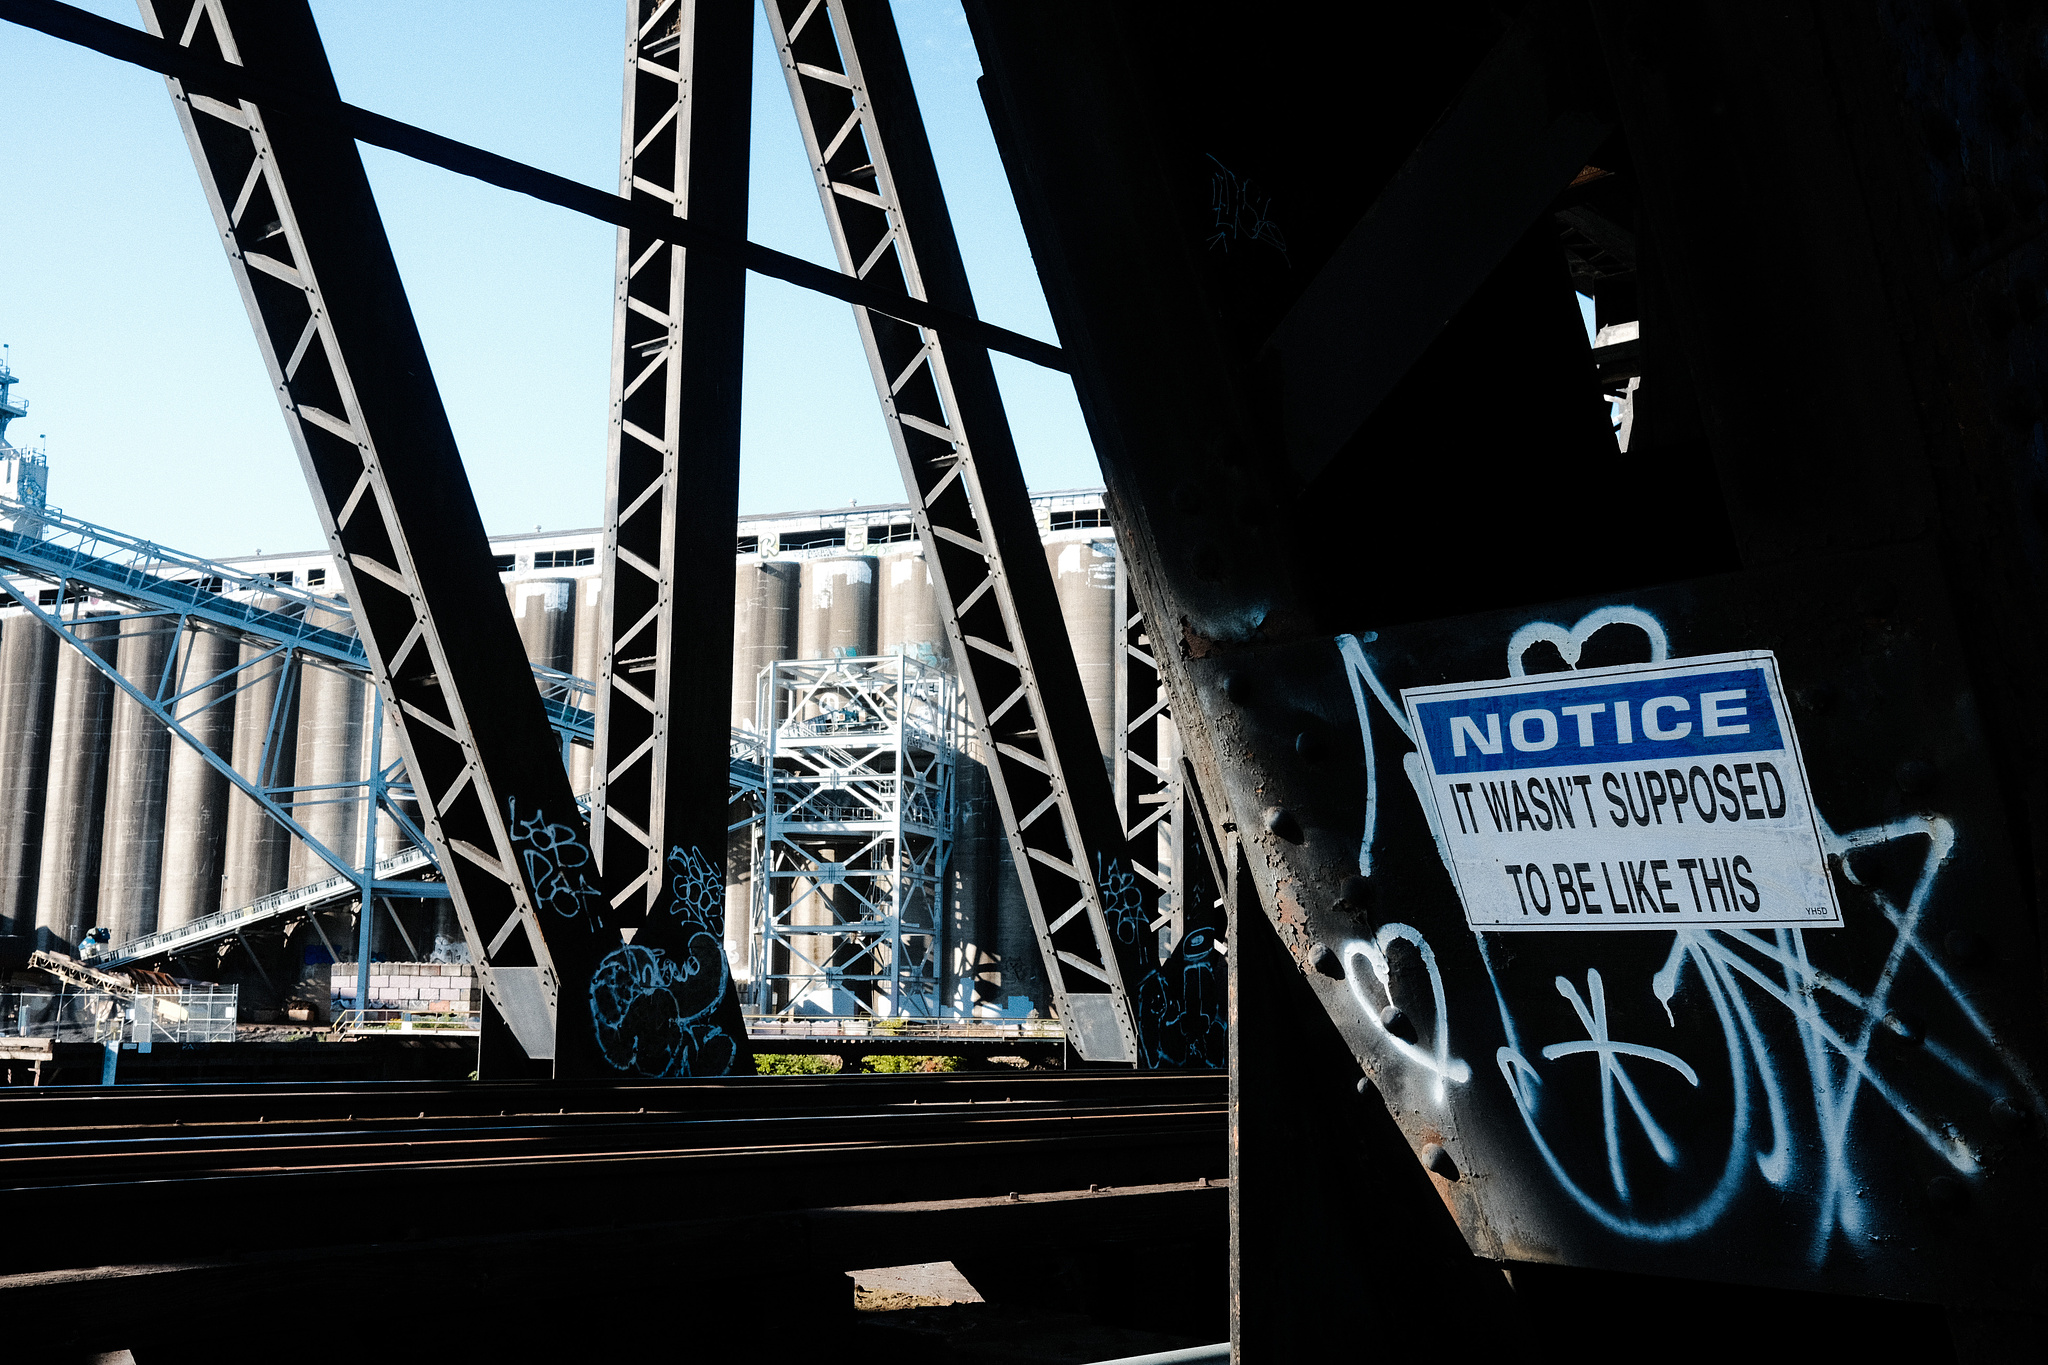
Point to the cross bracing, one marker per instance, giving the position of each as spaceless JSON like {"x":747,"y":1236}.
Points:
{"x":851,"y":854}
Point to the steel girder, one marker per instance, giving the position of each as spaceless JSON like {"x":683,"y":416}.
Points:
{"x":659,"y":803}
{"x":300,"y":226}
{"x":887,"y":216}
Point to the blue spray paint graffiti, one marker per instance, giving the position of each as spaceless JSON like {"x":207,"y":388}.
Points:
{"x":655,"y":1012}
{"x":1742,"y":973}
{"x":1181,"y":1007}
{"x":556,"y":862}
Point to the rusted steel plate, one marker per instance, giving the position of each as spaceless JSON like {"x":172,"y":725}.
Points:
{"x":1853,"y":1108}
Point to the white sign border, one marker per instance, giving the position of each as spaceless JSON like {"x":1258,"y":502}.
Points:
{"x":1571,"y":677}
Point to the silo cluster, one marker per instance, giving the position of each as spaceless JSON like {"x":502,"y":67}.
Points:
{"x":110,"y":821}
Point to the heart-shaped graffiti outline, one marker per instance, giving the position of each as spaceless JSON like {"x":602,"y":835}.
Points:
{"x":1570,"y":642}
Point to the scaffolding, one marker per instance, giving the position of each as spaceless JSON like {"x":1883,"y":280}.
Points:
{"x":850,"y":856}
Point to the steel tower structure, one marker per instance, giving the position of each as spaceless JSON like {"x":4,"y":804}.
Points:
{"x":851,"y":853}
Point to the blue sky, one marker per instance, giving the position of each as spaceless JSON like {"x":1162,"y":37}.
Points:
{"x":140,"y":366}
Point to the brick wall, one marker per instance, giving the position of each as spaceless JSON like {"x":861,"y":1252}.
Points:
{"x":416,"y":987}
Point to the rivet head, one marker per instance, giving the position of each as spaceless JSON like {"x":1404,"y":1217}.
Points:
{"x":1366,"y":1088}
{"x":1438,"y":1161}
{"x":1357,"y":893}
{"x":1281,"y":824}
{"x":1395,"y":1021}
{"x":1310,"y":746}
{"x":1324,"y":961}
{"x":1237,"y":687}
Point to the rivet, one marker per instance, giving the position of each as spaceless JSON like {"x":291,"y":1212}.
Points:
{"x":1324,"y":961}
{"x":1281,"y":824}
{"x":1396,"y":1022}
{"x":1438,"y":1161}
{"x":1237,"y":687}
{"x":1357,"y":893}
{"x":1310,"y":746}
{"x":1365,"y":1086}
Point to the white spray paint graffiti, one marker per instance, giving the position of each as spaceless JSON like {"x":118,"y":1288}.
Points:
{"x":1738,"y":969}
{"x":1438,"y":1059}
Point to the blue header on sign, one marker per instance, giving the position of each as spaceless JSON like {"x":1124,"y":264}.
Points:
{"x":1621,"y":720}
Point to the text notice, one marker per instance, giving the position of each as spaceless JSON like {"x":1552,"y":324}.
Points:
{"x":1639,"y":797}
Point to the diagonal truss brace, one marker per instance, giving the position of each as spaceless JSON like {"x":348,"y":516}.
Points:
{"x":293,"y":206}
{"x":861,"y":128}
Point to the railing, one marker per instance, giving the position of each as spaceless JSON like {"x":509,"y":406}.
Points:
{"x":376,"y":1020}
{"x":185,"y":1016}
{"x":909,"y":1031}
{"x":269,"y":907}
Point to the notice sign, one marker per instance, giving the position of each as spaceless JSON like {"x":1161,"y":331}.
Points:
{"x":1639,"y":797}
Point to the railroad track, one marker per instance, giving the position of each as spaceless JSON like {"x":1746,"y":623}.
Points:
{"x":515,"y":1164}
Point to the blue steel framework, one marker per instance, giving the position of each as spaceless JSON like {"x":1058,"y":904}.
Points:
{"x":67,"y":562}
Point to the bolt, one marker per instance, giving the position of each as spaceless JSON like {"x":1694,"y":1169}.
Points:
{"x":1324,"y":961}
{"x":1963,"y":945}
{"x":1438,"y":1161}
{"x":1281,"y":824}
{"x":1915,"y":776}
{"x":1394,"y":1021}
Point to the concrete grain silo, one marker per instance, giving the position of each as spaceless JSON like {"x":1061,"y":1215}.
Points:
{"x":256,"y":850}
{"x":1022,"y":966}
{"x":907,"y":611}
{"x":138,"y":758}
{"x":74,"y":802}
{"x":28,"y":688}
{"x":1084,"y":574}
{"x":333,"y":707}
{"x":195,"y":793}
{"x":764,"y":615}
{"x":544,"y":609}
{"x":836,"y":616}
{"x":583,"y":662}
{"x":973,"y":973}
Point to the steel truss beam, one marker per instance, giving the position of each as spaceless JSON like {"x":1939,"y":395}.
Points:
{"x":296,"y":215}
{"x":659,"y":804}
{"x":880,"y":191}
